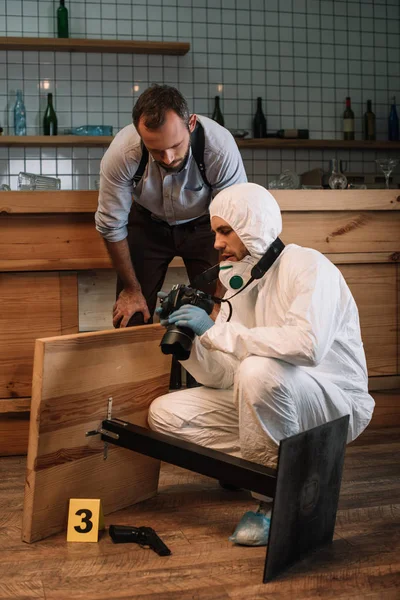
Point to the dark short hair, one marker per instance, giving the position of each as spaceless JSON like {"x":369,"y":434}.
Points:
{"x":155,"y":102}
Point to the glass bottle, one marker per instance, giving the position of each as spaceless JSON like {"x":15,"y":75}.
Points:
{"x":337,"y":181}
{"x":393,"y":122}
{"x":299,"y":134}
{"x":50,"y":118}
{"x":348,"y":121}
{"x":259,"y":122}
{"x":62,"y":20}
{"x":369,"y":123}
{"x":19,"y":115}
{"x":217,"y":114}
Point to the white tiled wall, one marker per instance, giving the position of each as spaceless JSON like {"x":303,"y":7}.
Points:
{"x":301,"y":56}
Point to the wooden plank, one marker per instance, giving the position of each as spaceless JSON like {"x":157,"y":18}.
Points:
{"x":15,"y":405}
{"x":69,"y":312}
{"x":14,"y":426}
{"x":61,"y":201}
{"x":398,"y":319}
{"x":387,"y":382}
{"x":352,"y":258}
{"x":14,"y":431}
{"x":337,"y":200}
{"x":195,"y":517}
{"x":374,"y":290}
{"x":387,"y":409}
{"x":84,"y":264}
{"x":72,"y":201}
{"x":67,"y":242}
{"x":31,"y":308}
{"x":342,"y":232}
{"x":94,"y":45}
{"x":255,"y":144}
{"x":73,"y":378}
{"x":60,"y":264}
{"x":250,"y":144}
{"x":59,"y":141}
{"x":51,"y":242}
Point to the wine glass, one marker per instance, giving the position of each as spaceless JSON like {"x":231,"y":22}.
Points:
{"x":387,"y":165}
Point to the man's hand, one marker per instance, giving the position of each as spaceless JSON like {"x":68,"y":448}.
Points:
{"x":127,"y":304}
{"x":193,"y":317}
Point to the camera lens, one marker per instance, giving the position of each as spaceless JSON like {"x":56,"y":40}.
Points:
{"x":177,"y":341}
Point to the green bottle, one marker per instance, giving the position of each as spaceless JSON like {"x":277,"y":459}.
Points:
{"x":50,"y":118}
{"x":217,"y":114}
{"x":62,"y":20}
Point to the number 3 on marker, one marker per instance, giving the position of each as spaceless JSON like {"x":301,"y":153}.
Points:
{"x":85,"y":519}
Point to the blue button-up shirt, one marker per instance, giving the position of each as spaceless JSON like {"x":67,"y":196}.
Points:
{"x":172,"y":197}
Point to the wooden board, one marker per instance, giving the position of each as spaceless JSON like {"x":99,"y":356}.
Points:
{"x":33,"y":305}
{"x":73,"y":378}
{"x":94,"y":45}
{"x":81,"y":201}
{"x":56,"y":201}
{"x":336,"y":200}
{"x":343,"y":232}
{"x":387,"y":408}
{"x":374,"y":290}
{"x":51,"y":242}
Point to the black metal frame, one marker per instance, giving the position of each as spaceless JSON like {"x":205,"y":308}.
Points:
{"x":305,"y":487}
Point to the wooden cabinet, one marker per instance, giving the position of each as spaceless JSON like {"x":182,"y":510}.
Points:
{"x":48,"y":238}
{"x":375,"y":289}
{"x":32,"y":305}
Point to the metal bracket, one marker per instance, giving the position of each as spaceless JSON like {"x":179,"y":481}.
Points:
{"x":104,"y":432}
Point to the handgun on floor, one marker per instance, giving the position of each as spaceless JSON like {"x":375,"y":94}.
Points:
{"x":144,"y":536}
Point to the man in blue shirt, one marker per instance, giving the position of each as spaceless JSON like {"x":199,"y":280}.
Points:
{"x":169,"y":213}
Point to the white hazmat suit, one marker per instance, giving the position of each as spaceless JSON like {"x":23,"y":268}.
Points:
{"x":289,"y":359}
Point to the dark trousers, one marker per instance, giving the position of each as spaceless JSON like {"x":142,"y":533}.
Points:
{"x":154,"y":243}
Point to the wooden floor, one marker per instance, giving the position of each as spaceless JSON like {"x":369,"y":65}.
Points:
{"x":195,"y":517}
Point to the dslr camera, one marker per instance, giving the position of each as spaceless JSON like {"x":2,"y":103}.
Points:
{"x":178,"y":340}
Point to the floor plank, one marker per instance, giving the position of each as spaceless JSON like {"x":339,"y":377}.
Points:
{"x":195,"y":517}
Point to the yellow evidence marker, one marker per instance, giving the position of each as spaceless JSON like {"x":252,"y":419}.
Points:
{"x":85,"y":519}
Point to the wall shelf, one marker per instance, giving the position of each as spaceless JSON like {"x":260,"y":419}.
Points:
{"x":252,"y":144}
{"x":87,"y":45}
{"x":55,"y":140}
{"x":318,"y":144}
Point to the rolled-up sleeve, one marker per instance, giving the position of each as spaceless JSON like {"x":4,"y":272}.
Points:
{"x":115,"y":195}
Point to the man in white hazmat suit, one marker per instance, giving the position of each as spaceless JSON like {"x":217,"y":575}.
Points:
{"x":289,"y":358}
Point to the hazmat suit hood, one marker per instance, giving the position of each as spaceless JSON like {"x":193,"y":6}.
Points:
{"x":253,"y":214}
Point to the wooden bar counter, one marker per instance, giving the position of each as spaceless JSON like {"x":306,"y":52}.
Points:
{"x":47,"y":238}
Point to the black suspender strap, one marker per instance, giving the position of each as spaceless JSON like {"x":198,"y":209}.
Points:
{"x":142,"y":165}
{"x":197,"y":141}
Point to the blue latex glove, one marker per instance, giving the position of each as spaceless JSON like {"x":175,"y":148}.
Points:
{"x":193,"y":317}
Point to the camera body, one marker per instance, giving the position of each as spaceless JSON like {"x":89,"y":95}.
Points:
{"x":178,"y":340}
